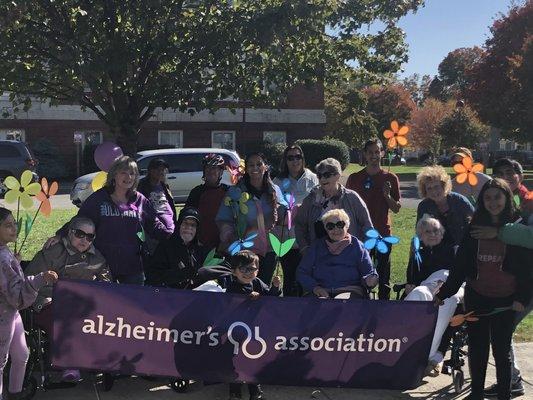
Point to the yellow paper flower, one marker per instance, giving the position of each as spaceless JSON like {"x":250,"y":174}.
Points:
{"x":242,"y":202}
{"x":21,"y":191}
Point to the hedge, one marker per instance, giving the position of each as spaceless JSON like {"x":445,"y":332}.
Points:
{"x":317,"y":150}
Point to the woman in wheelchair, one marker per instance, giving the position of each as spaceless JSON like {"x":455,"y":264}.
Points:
{"x":427,"y":270}
{"x":337,"y":263}
{"x":73,"y":257}
{"x":16,"y":293}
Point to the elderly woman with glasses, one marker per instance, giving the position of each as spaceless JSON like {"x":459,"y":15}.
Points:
{"x":329,"y":195}
{"x":453,"y":210}
{"x":337,"y":263}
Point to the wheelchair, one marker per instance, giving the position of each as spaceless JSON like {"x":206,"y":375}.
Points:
{"x":458,"y":337}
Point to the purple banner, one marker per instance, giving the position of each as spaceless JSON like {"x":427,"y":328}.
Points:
{"x":221,"y":337}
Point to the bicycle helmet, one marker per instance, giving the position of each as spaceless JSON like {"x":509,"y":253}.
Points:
{"x":213,"y":160}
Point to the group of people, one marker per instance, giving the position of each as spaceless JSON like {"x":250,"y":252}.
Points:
{"x":129,"y":232}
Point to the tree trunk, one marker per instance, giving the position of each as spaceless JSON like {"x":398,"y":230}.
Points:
{"x":126,"y":137}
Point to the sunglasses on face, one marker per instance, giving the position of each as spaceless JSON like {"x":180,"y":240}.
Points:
{"x":82,"y":234}
{"x":325,"y":175}
{"x":296,"y":157}
{"x":247,"y":270}
{"x":332,"y":225}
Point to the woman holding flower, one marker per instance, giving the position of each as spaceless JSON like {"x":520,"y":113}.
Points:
{"x":251,"y":206}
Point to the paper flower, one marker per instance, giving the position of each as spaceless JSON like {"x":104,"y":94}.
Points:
{"x":287,"y":200}
{"x":376,"y":240}
{"x":280,"y":248}
{"x":211,"y":260}
{"x":467,"y":170}
{"x":238,"y":198}
{"x":44,"y":196}
{"x":242,"y":244}
{"x":99,"y":181}
{"x":459,"y":319}
{"x":236,"y":172}
{"x":21,"y":191}
{"x":396,"y":135}
{"x":416,"y":250}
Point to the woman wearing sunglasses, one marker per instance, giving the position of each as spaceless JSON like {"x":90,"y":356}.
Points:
{"x":329,"y":195}
{"x":72,"y":257}
{"x":337,"y":263}
{"x":301,"y":181}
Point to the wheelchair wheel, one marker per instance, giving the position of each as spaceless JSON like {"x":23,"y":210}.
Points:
{"x":458,"y":380}
{"x":30,"y":388}
{"x":179,"y":385}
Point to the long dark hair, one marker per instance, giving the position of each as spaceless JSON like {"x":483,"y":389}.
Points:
{"x":267,"y":186}
{"x":4,"y":213}
{"x":283,"y":169}
{"x":509,"y":213}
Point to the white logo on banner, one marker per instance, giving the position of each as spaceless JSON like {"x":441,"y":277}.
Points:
{"x":247,"y":341}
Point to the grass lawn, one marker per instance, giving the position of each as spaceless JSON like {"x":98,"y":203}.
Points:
{"x":403,"y":227}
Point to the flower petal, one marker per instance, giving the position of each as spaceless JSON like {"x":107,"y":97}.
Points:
{"x":46,"y":208}
{"x":41,"y":196}
{"x":26,"y":178}
{"x":33,"y":188}
{"x":461,"y":178}
{"x":472,"y":179}
{"x":402,"y":140}
{"x":477,"y":167}
{"x":403,"y":130}
{"x":467,"y":162}
{"x":11,"y":196}
{"x":395,"y":126}
{"x":26,"y":201}
{"x":460,"y":168}
{"x":44,"y":185}
{"x":388,"y":134}
{"x":391,"y":143}
{"x":12,"y":183}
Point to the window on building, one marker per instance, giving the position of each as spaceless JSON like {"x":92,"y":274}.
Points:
{"x":223,"y":140}
{"x":12,"y":134}
{"x":170,"y":138}
{"x":90,"y":138}
{"x":275,"y":137}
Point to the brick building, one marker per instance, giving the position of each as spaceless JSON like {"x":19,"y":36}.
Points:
{"x":301,"y":117}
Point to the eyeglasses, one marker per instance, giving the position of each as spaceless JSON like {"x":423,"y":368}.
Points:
{"x":82,"y":234}
{"x":296,"y":157}
{"x":247,"y":270}
{"x":326,"y":174}
{"x":332,"y":225}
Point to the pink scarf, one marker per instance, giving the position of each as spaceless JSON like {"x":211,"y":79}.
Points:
{"x":336,"y":248}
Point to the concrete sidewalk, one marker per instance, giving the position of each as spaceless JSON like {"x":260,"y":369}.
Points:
{"x":432,"y":388}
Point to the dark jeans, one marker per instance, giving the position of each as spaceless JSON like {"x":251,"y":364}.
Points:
{"x":236,"y":389}
{"x":496,"y":330}
{"x":289,"y":263}
{"x":382,"y":262}
{"x":267,"y":266}
{"x":131,"y":279}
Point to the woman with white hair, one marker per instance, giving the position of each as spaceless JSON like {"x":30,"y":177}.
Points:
{"x":329,"y":195}
{"x":428,"y":269}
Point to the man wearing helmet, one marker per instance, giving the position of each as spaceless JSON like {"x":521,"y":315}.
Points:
{"x":206,"y":198}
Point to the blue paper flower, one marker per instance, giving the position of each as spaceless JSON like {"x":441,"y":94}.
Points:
{"x":242,"y":244}
{"x":376,"y":240}
{"x":416,"y":250}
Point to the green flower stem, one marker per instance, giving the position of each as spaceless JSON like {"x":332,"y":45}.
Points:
{"x":26,"y":234}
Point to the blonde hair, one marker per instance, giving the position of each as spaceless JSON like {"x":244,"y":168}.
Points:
{"x":120,"y":164}
{"x":433,"y":173}
{"x":339,"y":213}
{"x":428,"y":220}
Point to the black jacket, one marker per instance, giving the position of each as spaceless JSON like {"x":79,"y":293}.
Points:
{"x":435,"y":258}
{"x":145,"y":187}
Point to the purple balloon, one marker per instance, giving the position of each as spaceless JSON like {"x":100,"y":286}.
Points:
{"x":105,"y":154}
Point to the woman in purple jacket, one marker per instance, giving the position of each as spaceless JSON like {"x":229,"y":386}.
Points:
{"x":122,"y":215}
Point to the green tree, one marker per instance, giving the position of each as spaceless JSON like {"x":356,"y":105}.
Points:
{"x":454,"y":71}
{"x":418,"y":87}
{"x":122,"y":59}
{"x":462,"y":128}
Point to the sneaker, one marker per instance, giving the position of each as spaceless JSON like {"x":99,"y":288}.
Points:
{"x":491,"y":391}
{"x":71,"y":375}
{"x":517,"y":389}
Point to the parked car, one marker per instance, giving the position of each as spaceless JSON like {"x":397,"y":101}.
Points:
{"x":185,"y":171}
{"x":15,"y":158}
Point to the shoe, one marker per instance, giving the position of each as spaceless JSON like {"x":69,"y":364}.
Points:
{"x":257,"y":394}
{"x":517,"y":389}
{"x":434,"y":369}
{"x":71,"y":375}
{"x":235,"y":396}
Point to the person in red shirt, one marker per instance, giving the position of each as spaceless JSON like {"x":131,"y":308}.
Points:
{"x":381,"y":192}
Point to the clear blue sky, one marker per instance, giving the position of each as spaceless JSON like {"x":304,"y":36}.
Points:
{"x":444,"y":25}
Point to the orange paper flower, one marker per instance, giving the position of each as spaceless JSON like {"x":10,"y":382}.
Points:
{"x":459,"y":319}
{"x":44,"y":196}
{"x":396,"y":135}
{"x":467,"y":169}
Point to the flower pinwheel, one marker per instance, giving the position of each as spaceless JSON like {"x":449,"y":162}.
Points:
{"x":459,"y":319}
{"x":236,"y":172}
{"x":22,"y":191}
{"x":242,"y":244}
{"x":416,"y":250}
{"x":467,"y":170}
{"x":238,"y":198}
{"x":379,"y":242}
{"x":44,"y":196}
{"x":287,"y":200}
{"x":396,"y":135}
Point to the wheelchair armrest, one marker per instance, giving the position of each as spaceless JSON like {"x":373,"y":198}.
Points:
{"x":398,"y":287}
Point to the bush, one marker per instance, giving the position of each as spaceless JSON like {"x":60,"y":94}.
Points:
{"x":317,"y":150}
{"x":272,"y":152}
{"x":51,"y":163}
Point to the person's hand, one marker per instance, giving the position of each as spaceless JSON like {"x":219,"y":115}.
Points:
{"x":518,"y":307}
{"x":386,"y":189}
{"x":18,"y":257}
{"x":408,"y":288}
{"x":276,"y":281}
{"x":371,"y":281}
{"x":254,"y":295}
{"x":51,"y":241}
{"x":481,"y":232}
{"x":437,"y":301}
{"x":319,"y":291}
{"x":50,"y":277}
